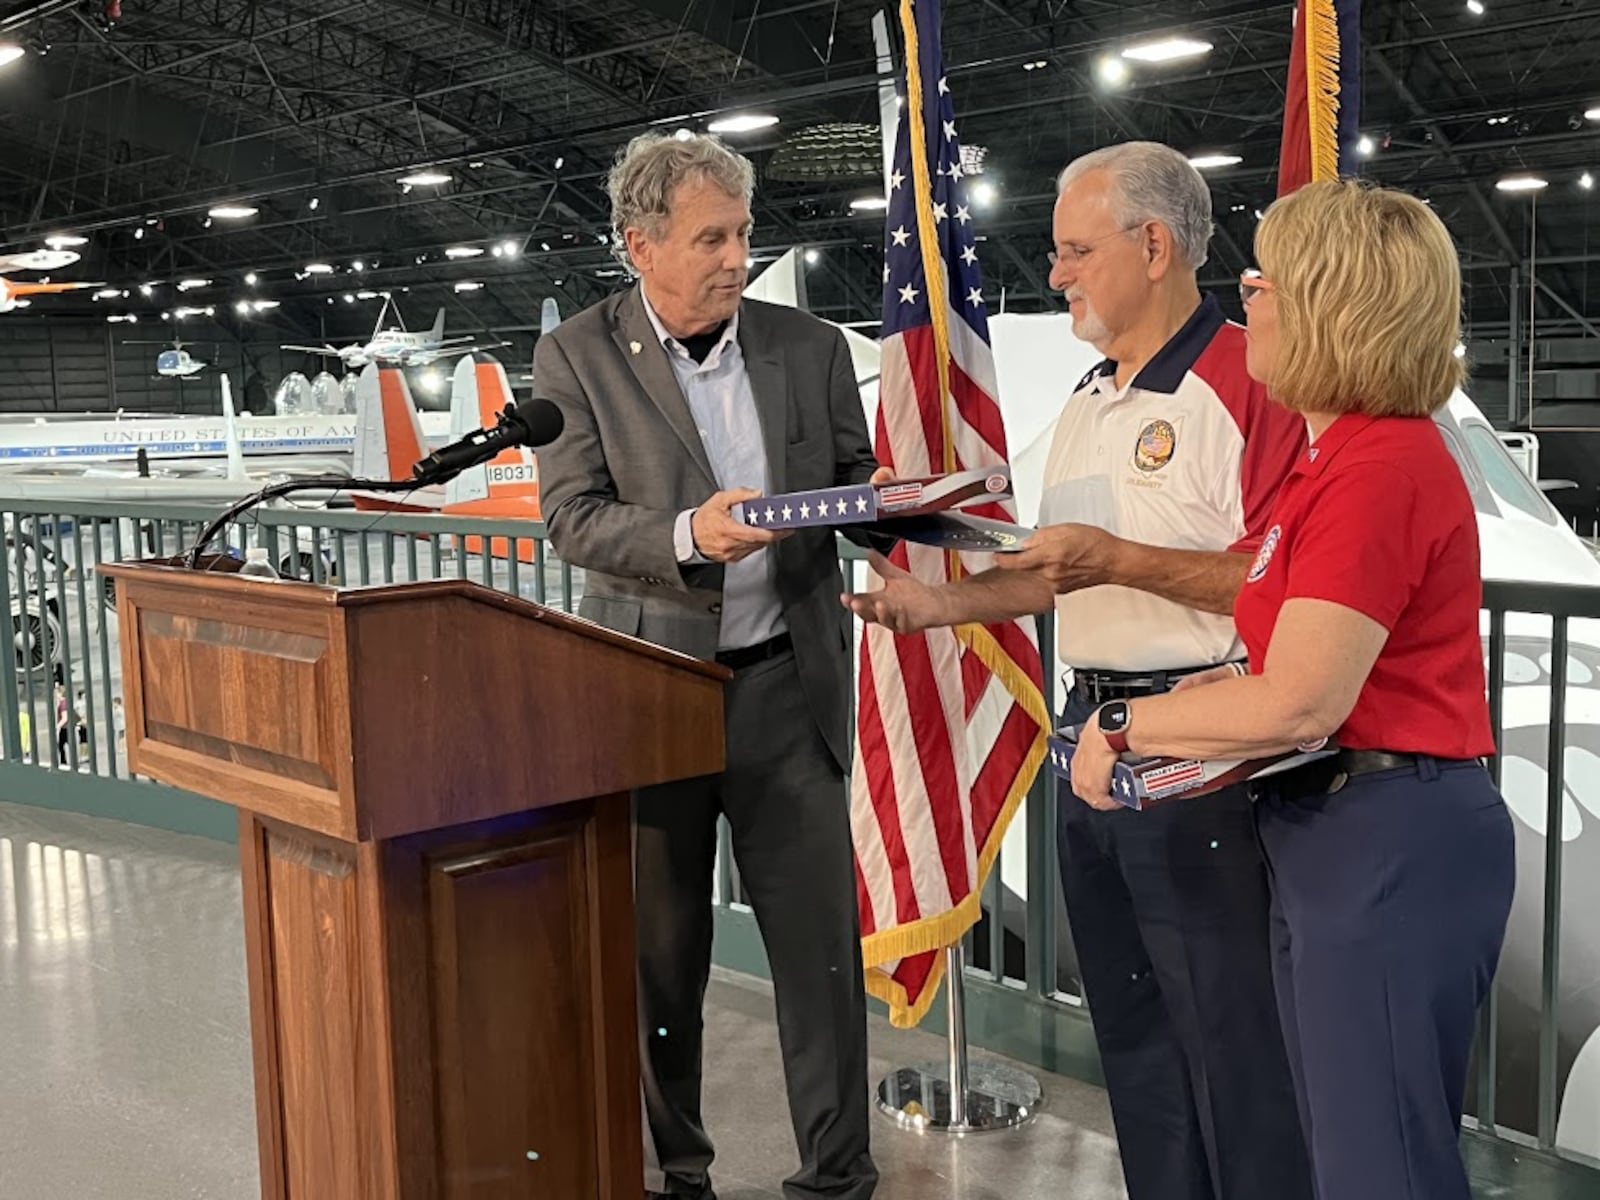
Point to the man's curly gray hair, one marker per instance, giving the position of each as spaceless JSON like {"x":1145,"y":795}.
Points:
{"x":650,"y":168}
{"x":1152,"y":182}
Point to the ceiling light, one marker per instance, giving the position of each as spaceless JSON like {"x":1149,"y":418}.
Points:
{"x":813,"y":257}
{"x":1460,"y":351}
{"x":499,"y":250}
{"x":250,"y":279}
{"x":1475,"y":7}
{"x":358,"y":266}
{"x":10,"y":52}
{"x":1586,"y":181}
{"x":1111,"y":70}
{"x":1593,"y":114}
{"x":1522,"y":183}
{"x":543,"y":246}
{"x":560,"y":162}
{"x":313,"y":202}
{"x":318,"y":268}
{"x":463,"y":251}
{"x":349,"y":298}
{"x":743,"y":123}
{"x":983,"y":193}
{"x":233,"y":212}
{"x":366,"y":295}
{"x":476,"y":164}
{"x":869,"y":204}
{"x":188,"y":285}
{"x":106,"y":294}
{"x":430,"y":380}
{"x":147,"y":289}
{"x":1365,"y":146}
{"x":242,"y":308}
{"x":138,"y":234}
{"x":1205,"y":162}
{"x":261,"y":304}
{"x":468,"y":285}
{"x":683,"y":135}
{"x":1037,"y":64}
{"x":1167,"y":50}
{"x":510,"y":248}
{"x":59,"y":241}
{"x":424,"y":179}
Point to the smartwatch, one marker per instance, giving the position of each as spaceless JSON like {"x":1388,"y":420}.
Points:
{"x":1113,"y":720}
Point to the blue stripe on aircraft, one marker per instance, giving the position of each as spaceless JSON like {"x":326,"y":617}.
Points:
{"x":130,"y":450}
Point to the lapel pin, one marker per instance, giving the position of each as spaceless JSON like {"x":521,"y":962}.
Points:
{"x":635,"y":347}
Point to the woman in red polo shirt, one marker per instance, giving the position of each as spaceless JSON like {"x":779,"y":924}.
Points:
{"x":1391,"y":863}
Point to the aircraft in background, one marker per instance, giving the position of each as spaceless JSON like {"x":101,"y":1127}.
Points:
{"x":394,"y":347}
{"x":15,"y":295}
{"x":174,"y":362}
{"x":37,"y":260}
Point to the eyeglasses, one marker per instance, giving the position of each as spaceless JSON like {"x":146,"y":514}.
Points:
{"x":1077,"y":252}
{"x":1251,"y":284}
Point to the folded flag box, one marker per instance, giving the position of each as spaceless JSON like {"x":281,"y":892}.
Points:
{"x":920,"y":510}
{"x":1140,"y":782}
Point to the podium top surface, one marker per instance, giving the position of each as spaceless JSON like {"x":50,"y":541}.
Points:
{"x":231,"y":583}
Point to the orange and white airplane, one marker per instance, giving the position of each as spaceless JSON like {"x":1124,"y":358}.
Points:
{"x":389,"y":443}
{"x":14,"y":295}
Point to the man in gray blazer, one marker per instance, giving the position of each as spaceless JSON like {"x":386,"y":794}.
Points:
{"x":682,"y":399}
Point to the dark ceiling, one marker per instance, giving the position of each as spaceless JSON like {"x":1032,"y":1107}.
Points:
{"x":129,"y":132}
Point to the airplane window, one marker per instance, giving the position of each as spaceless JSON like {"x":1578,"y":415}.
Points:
{"x":1520,"y":668}
{"x":1477,"y":486}
{"x":1577,"y":671}
{"x":1505,"y":477}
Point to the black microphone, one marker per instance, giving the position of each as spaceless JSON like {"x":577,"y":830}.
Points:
{"x":533,"y":422}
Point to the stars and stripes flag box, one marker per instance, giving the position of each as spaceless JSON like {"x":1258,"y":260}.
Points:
{"x":867,"y":503}
{"x":1141,"y":782}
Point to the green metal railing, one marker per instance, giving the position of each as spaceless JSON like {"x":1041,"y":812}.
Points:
{"x":1023,"y":997}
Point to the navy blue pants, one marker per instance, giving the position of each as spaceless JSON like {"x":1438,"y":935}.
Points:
{"x":1170,"y":915}
{"x":1390,"y":899}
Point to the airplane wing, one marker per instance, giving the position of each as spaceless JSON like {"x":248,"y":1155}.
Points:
{"x":325,"y":350}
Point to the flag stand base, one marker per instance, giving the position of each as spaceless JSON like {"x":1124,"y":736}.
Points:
{"x":986,"y":1096}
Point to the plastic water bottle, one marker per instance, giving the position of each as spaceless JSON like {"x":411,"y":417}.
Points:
{"x":257,"y":563}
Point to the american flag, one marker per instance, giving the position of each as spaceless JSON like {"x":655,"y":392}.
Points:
{"x":951,"y":724}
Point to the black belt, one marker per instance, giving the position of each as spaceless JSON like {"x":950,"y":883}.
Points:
{"x":1100,"y":686}
{"x":1327,"y":775}
{"x":749,"y":656}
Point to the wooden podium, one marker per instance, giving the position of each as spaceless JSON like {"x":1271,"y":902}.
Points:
{"x":434,"y":834}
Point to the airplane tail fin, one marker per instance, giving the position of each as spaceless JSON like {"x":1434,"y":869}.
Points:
{"x":230,"y":427}
{"x":549,"y":315}
{"x":509,"y":484}
{"x":388,"y":430}
{"x":437,"y":332}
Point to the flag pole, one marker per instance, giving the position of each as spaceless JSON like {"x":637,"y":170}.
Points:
{"x":958,"y":1096}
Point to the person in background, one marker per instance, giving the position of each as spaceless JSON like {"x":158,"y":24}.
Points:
{"x":1156,"y":493}
{"x":1391,"y":861}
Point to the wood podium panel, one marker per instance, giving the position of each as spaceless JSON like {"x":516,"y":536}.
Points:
{"x":432,"y":783}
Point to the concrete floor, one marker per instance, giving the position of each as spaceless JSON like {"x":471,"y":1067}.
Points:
{"x":125,"y":1057}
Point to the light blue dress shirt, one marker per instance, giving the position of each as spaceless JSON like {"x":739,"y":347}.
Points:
{"x":724,"y":410}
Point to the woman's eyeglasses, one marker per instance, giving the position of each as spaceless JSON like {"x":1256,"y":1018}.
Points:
{"x":1251,"y":285}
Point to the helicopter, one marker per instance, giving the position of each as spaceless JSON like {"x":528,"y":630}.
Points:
{"x":175,"y":362}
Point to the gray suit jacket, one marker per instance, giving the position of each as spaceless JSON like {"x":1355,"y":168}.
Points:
{"x":630,"y":459}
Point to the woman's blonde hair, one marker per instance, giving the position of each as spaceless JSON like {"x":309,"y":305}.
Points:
{"x":1368,"y":293}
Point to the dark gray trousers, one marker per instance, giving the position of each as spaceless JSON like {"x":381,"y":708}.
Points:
{"x":786,"y":803}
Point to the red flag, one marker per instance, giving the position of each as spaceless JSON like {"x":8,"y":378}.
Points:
{"x":1322,"y":102}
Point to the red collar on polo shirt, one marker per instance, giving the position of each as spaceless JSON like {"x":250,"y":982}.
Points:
{"x":1334,"y":439}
